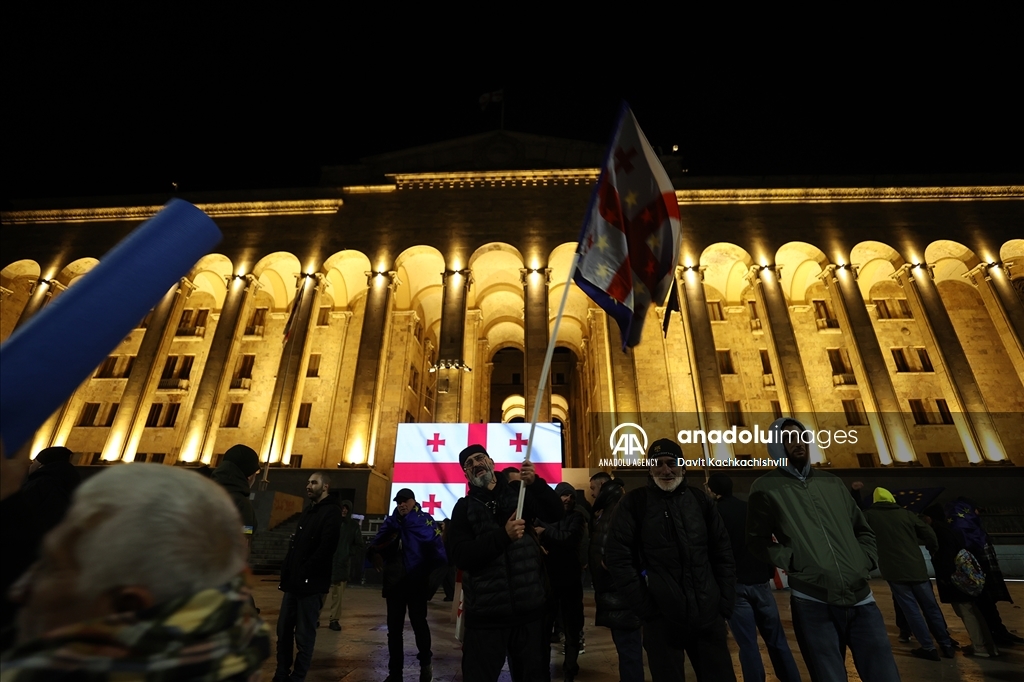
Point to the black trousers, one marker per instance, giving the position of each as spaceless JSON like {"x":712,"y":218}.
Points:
{"x":296,"y":628}
{"x":484,"y":653}
{"x":408,"y":596}
{"x":565,"y":603}
{"x":667,"y":646}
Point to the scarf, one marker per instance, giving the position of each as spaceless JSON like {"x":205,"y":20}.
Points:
{"x":208,"y":636}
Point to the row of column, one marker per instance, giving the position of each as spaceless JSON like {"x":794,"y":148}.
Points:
{"x":889,"y":428}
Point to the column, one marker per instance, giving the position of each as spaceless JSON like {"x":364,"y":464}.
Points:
{"x":535,"y":321}
{"x":200,"y":432}
{"x":711,"y":412}
{"x":891,"y":436}
{"x":1004,"y":307}
{"x":282,"y":410}
{"x":130,"y":420}
{"x":451,"y":363}
{"x":790,"y":379}
{"x":971,"y":418}
{"x":357,"y":432}
{"x":474,"y":354}
{"x":42,"y":291}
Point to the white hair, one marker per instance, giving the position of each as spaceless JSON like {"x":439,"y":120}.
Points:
{"x":169,"y":530}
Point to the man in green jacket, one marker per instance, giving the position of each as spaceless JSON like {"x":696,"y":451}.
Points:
{"x":900,"y":534}
{"x":828,"y":550}
{"x":351,"y":538}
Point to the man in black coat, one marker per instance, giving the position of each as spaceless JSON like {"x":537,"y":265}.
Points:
{"x":306,"y":578}
{"x":613,"y":609}
{"x":503,"y":579}
{"x":669,"y":552}
{"x":755,"y":609}
{"x":563,"y":541}
{"x":236,"y":474}
{"x":30,"y":513}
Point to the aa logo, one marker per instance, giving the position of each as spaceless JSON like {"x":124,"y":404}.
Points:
{"x":628,"y":440}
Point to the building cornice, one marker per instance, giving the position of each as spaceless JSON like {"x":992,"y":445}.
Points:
{"x":825,"y":195}
{"x":520,"y":178}
{"x":243,"y":209}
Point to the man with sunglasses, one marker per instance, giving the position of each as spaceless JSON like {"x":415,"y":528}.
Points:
{"x":502,"y":575}
{"x":669,"y":551}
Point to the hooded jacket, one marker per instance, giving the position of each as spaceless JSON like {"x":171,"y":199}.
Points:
{"x":502,"y":580}
{"x":307,"y":567}
{"x":411,"y":547}
{"x":825,"y":544}
{"x":944,"y":558}
{"x":899,"y":533}
{"x":350,"y":537}
{"x":676,"y":563}
{"x":613,"y":607}
{"x":231,"y":478}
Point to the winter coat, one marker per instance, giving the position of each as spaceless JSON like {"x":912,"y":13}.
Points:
{"x":943,"y":561}
{"x":411,"y":547}
{"x":749,"y":569}
{"x":682,"y":545}
{"x":825,"y":545}
{"x":966,"y":524}
{"x":350,"y":537}
{"x":307,"y":567}
{"x":613,"y":608}
{"x":231,"y":478}
{"x":563,"y":541}
{"x":502,"y":580}
{"x":898,"y":534}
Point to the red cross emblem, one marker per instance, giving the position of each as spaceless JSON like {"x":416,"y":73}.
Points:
{"x":519,"y":442}
{"x":622,"y":159}
{"x":431,"y":504}
{"x":436,"y":441}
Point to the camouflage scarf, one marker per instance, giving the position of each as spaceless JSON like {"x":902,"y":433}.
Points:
{"x":211,"y":635}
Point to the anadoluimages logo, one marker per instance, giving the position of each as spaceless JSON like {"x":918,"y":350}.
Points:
{"x":628,"y":444}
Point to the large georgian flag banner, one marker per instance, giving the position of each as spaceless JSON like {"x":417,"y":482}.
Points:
{"x":427,"y":458}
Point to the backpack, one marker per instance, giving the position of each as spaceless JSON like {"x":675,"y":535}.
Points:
{"x":967,"y":574}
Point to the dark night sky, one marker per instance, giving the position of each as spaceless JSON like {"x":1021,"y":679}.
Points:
{"x":92,"y":108}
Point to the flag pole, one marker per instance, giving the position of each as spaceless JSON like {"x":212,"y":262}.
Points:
{"x":544,"y":373}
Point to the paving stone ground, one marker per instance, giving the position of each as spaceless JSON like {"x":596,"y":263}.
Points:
{"x":359,"y":652}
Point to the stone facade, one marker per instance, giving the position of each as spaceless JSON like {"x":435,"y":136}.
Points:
{"x":869,"y":310}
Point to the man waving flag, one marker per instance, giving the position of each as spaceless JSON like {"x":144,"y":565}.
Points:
{"x":630,"y":240}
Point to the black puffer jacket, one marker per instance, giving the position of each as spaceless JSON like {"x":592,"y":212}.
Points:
{"x":307,"y":568}
{"x":684,"y":549}
{"x":613,"y":608}
{"x":231,"y":478}
{"x":503,"y":581}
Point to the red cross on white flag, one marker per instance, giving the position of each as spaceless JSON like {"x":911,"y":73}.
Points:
{"x":427,"y":458}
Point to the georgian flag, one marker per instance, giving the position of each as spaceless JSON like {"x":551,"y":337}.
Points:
{"x":427,"y":458}
{"x":630,"y":242}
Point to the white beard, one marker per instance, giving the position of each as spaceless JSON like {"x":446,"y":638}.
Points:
{"x":669,"y":486}
{"x":483,"y":480}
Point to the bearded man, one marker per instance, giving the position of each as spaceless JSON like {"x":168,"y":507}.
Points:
{"x":502,"y":573}
{"x":669,"y":552}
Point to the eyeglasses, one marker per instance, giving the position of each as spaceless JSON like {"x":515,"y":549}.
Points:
{"x":473,"y":461}
{"x":666,"y":462}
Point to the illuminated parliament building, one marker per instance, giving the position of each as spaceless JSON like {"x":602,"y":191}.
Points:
{"x":422,"y":286}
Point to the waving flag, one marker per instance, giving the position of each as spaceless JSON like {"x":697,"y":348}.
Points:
{"x":427,"y":458}
{"x":630,"y":241}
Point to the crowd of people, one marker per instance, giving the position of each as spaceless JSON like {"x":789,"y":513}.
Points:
{"x":94,"y":592}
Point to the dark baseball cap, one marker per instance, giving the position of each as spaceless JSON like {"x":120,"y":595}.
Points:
{"x":404,"y":494}
{"x":665,"y":447}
